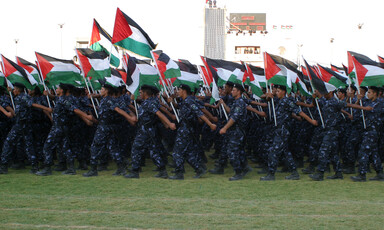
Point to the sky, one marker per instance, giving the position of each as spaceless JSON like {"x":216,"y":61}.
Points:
{"x":178,"y":26}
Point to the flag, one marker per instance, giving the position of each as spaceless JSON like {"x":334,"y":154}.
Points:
{"x":129,"y":35}
{"x":317,"y":83}
{"x":206,"y":76}
{"x":381,"y":59}
{"x":280,"y":71}
{"x":56,"y":71}
{"x":226,"y":71}
{"x":167,"y":67}
{"x":102,"y":41}
{"x":367,"y":71}
{"x":189,"y":75}
{"x":212,"y":73}
{"x":140,"y":73}
{"x":30,"y":67}
{"x":2,"y":80}
{"x":95,"y":64}
{"x":332,"y":77}
{"x":252,"y":75}
{"x":302,"y":86}
{"x":15,"y":73}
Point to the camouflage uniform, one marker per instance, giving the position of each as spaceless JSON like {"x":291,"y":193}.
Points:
{"x":186,"y":138}
{"x":21,"y":129}
{"x":236,"y":136}
{"x":284,"y":108}
{"x":146,"y":136}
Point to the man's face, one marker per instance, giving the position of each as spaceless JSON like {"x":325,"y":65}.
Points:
{"x":280,"y":93}
{"x":235,"y":92}
{"x":371,"y":94}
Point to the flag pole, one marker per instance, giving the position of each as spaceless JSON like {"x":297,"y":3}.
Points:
{"x":42,"y":80}
{"x":165,"y":88}
{"x":93,"y":91}
{"x":316,"y":99}
{"x":10,"y":93}
{"x":270,"y":89}
{"x":86,"y":84}
{"x":358,"y":91}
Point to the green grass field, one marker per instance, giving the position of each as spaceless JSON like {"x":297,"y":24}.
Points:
{"x":108,"y":202}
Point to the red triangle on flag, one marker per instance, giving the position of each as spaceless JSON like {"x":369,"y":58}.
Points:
{"x":122,"y":29}
{"x":45,"y":66}
{"x":361,"y":71}
{"x":271,"y":69}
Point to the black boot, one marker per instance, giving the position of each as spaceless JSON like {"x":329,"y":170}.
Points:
{"x":294,"y":176}
{"x":349,"y":169}
{"x":46,"y":171}
{"x":91,"y":172}
{"x":199,"y":173}
{"x":177,"y":176}
{"x":379,"y":177}
{"x":238,"y":176}
{"x":3,"y":169}
{"x":359,"y":178}
{"x":70,"y":170}
{"x":102,"y":167}
{"x":268,"y":177}
{"x":120,"y":170}
{"x":247,"y":170}
{"x":34,"y":169}
{"x":317,"y":176}
{"x":263,"y":171}
{"x":82,"y":165}
{"x":18,"y":165}
{"x":60,"y":167}
{"x":133,"y":174}
{"x":309,"y":170}
{"x":162,"y":174}
{"x":217,"y":170}
{"x":338,"y":175}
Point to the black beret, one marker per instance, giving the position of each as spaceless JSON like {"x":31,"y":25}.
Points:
{"x":185,"y":87}
{"x":353,"y":87}
{"x":363,"y":87}
{"x":341,"y":90}
{"x":19,"y":85}
{"x":239,"y":87}
{"x":229,"y":83}
{"x":66,"y":86}
{"x":282,"y":87}
{"x":154,"y":89}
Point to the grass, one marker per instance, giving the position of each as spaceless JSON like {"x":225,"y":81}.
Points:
{"x":108,"y":202}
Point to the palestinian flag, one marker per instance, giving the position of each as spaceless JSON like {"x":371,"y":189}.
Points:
{"x":204,"y":72}
{"x":102,"y":41}
{"x":332,"y":77}
{"x":189,"y":75}
{"x":280,"y":71}
{"x":302,"y":86}
{"x":226,"y":71}
{"x":367,"y":71}
{"x":381,"y":59}
{"x":342,"y":70}
{"x":15,"y":73}
{"x":30,"y":67}
{"x":140,"y":73}
{"x":212,"y":74}
{"x":95,"y":64}
{"x":251,"y":80}
{"x":167,"y":67}
{"x":2,"y":80}
{"x":317,"y":83}
{"x":56,"y":71}
{"x":129,"y":35}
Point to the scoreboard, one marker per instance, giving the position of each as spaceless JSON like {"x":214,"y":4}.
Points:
{"x":248,"y":21}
